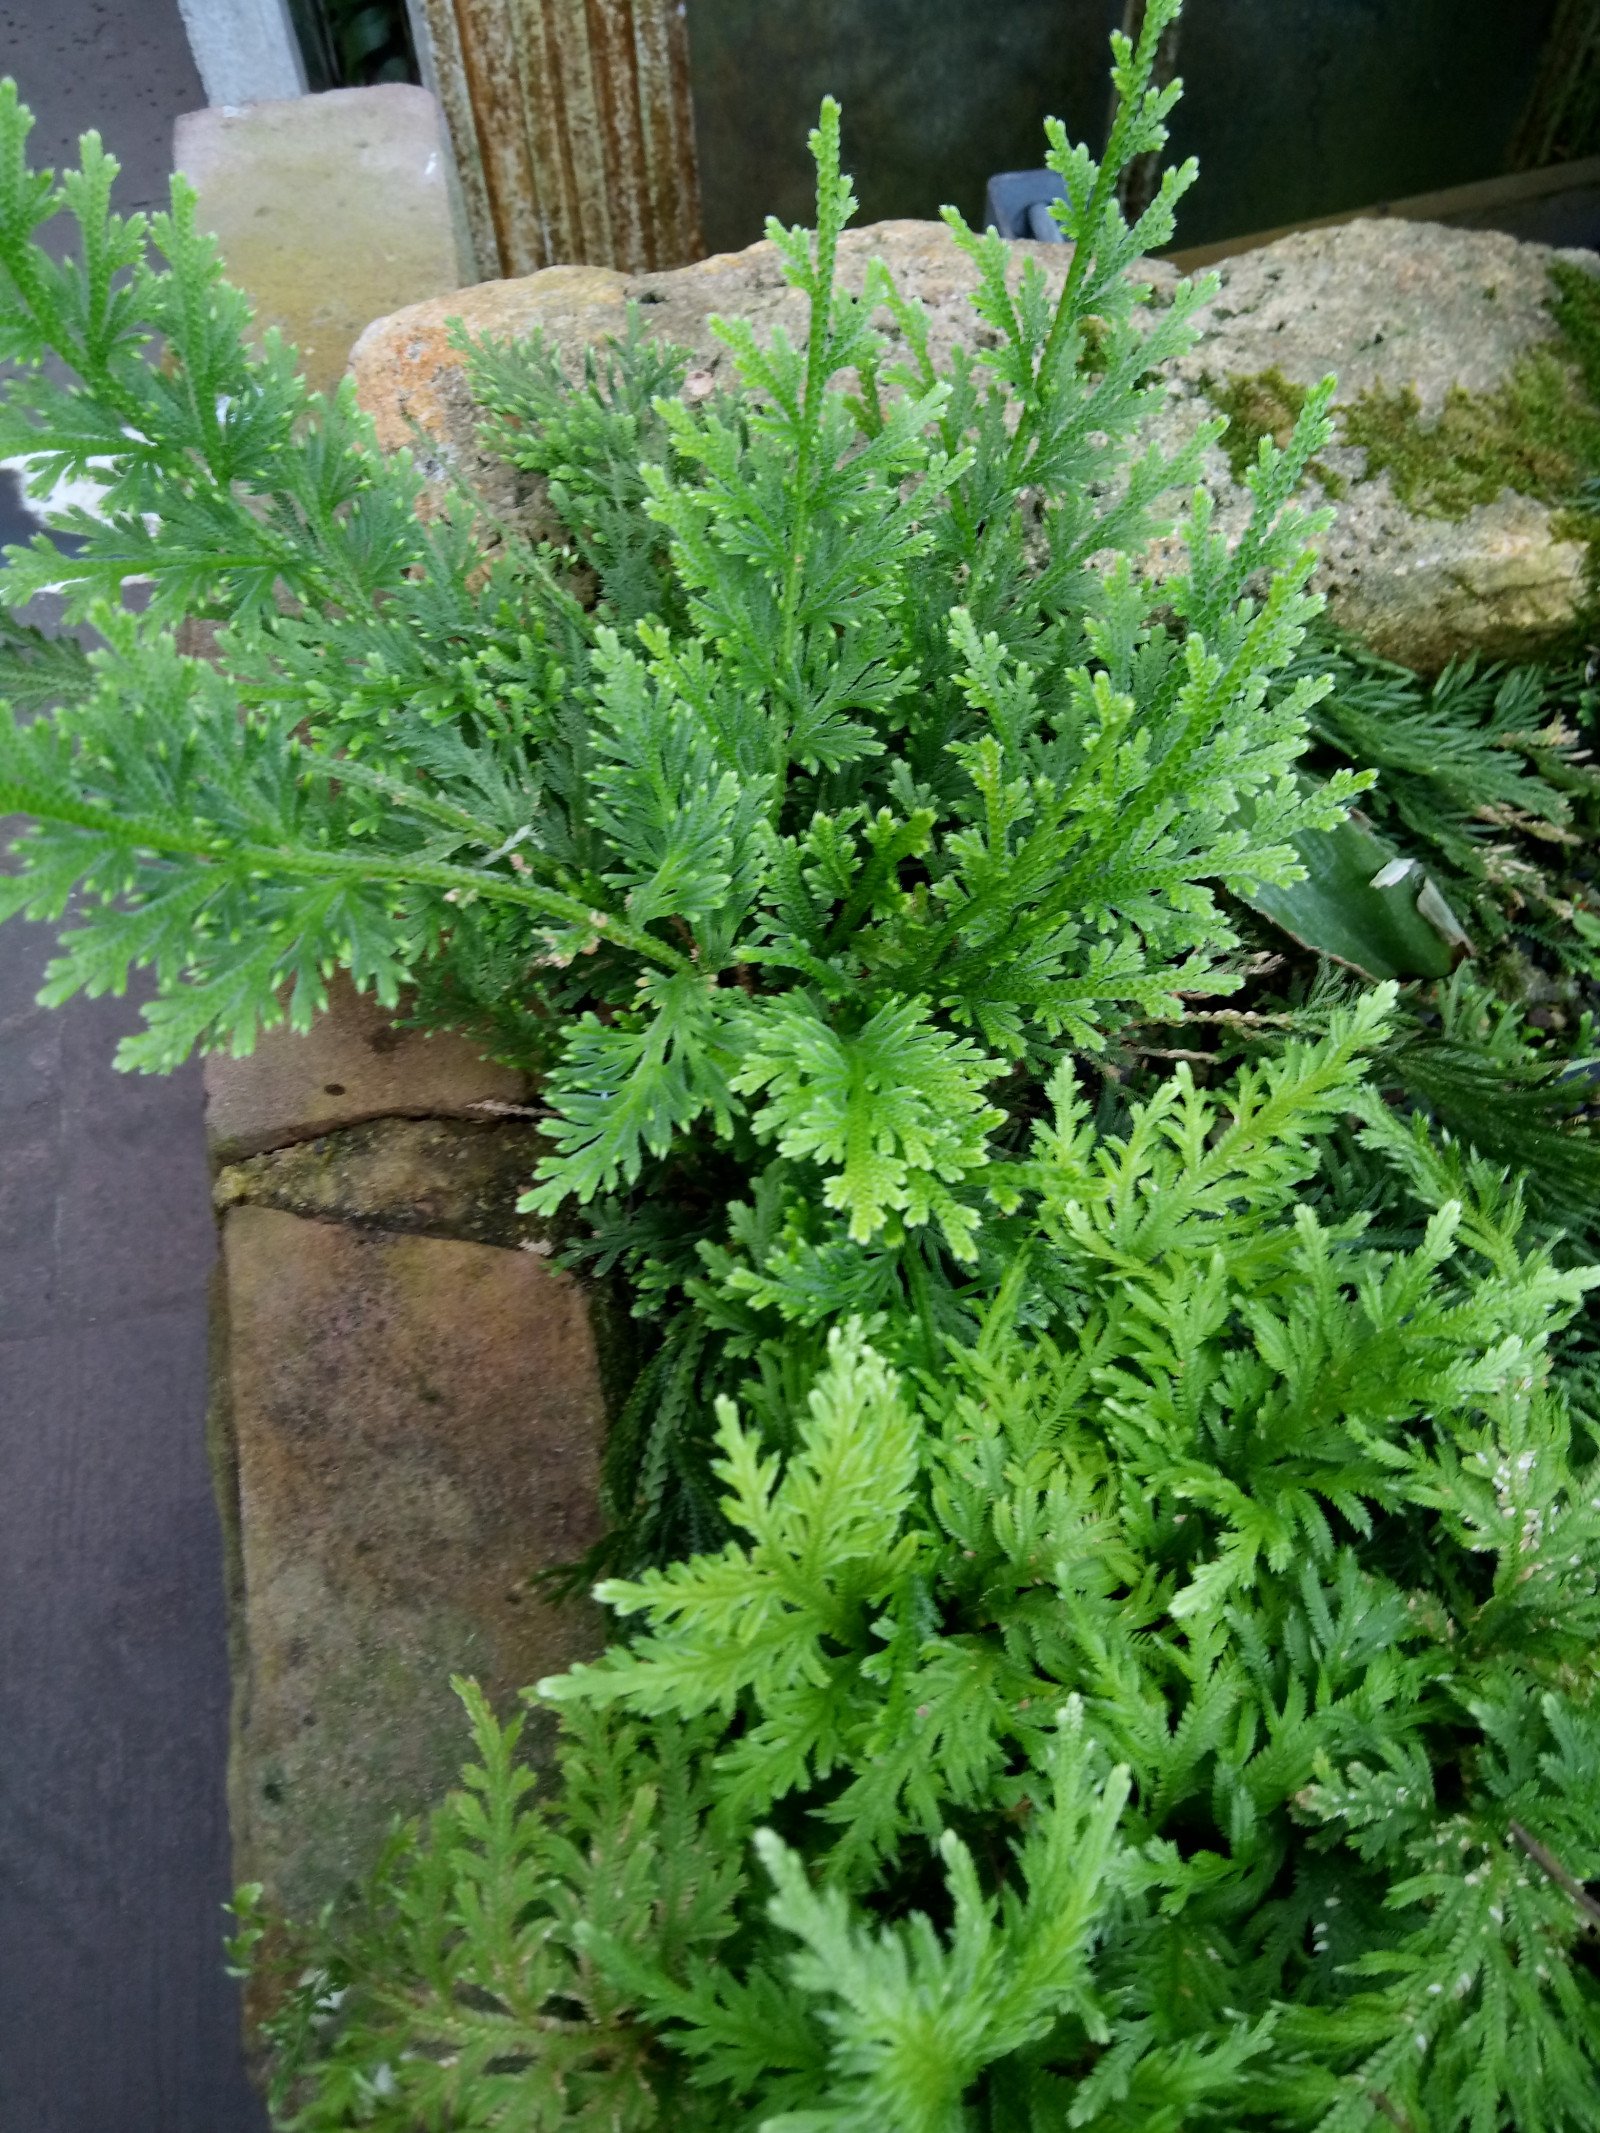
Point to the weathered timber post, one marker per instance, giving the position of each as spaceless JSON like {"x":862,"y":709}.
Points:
{"x":573,"y":129}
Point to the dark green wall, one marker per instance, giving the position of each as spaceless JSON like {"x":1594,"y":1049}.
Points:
{"x":1296,"y":108}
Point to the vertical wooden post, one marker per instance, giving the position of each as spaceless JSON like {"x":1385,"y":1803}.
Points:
{"x":573,"y":129}
{"x":1561,"y":119}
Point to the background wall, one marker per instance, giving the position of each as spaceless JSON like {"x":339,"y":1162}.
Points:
{"x":1304,"y":107}
{"x":1296,"y":108}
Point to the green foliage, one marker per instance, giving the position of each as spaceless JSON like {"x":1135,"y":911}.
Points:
{"x":1175,"y":1708}
{"x":476,"y":1955}
{"x":38,"y":669}
{"x":824,"y":780}
{"x":1482,"y":775}
{"x":1265,"y":405}
{"x":1364,"y":904}
{"x":1486,"y":1086}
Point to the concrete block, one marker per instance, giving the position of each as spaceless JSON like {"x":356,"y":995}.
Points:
{"x":353,"y":1064}
{"x":405,"y":1429}
{"x":331,"y":210}
{"x":245,"y":49}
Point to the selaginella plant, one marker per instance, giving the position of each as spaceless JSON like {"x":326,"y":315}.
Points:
{"x":1183,"y":1716}
{"x":1486,"y":771}
{"x":829,"y":780}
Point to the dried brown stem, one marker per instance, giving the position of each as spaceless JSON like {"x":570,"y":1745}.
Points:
{"x":1546,"y":1860}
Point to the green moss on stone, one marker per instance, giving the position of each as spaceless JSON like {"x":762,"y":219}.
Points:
{"x":1575,"y":307}
{"x":1265,"y":405}
{"x":1538,"y":433}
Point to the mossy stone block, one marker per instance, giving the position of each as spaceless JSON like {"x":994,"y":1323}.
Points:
{"x":1448,"y":537}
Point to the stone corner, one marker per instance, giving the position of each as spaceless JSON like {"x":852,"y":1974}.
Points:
{"x":356,"y":1062}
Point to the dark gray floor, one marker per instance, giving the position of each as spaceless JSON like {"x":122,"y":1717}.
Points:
{"x":122,"y":67}
{"x":115,"y":2015}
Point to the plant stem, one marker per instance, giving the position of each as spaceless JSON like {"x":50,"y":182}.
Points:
{"x":1546,"y":1860}
{"x":269,"y":859}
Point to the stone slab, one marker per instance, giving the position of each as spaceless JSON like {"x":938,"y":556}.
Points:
{"x":406,"y":1429}
{"x":409,"y":377}
{"x":1383,"y":302}
{"x":428,"y":1177}
{"x":356,"y":1062}
{"x":331,"y":210}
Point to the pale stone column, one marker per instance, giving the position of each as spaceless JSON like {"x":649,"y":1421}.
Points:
{"x":330,"y":210}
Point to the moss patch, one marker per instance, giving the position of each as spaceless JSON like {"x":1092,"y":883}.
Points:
{"x":1265,"y":405}
{"x":1539,"y":433}
{"x":1575,"y":307}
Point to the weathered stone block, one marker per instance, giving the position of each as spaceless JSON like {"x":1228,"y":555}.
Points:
{"x":1382,"y":303}
{"x":1397,"y":306}
{"x":330,"y":210}
{"x":407,"y":1421}
{"x":409,"y":377}
{"x":406,"y":1428}
{"x":354,"y":1063}
{"x":425,"y":1177}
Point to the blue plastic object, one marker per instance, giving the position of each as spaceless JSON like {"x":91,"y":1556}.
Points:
{"x":1017,"y":204}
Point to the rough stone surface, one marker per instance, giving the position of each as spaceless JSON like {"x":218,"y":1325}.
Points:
{"x":1380,"y":303}
{"x":409,"y":377}
{"x":1383,"y":302}
{"x":330,"y":210}
{"x":355,"y":1063}
{"x":1398,"y":304}
{"x":428,"y":1177}
{"x":406,"y":1427}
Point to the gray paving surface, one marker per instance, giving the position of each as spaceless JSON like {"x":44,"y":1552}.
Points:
{"x":115,"y":2015}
